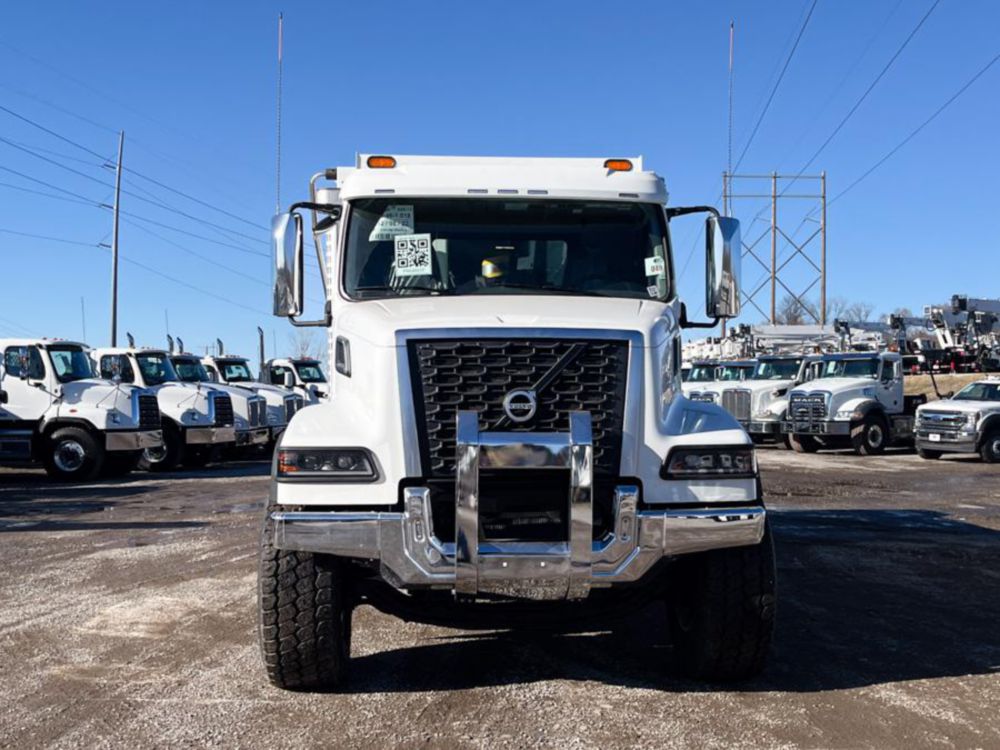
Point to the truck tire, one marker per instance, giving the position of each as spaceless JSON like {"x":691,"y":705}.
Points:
{"x":167,"y":456}
{"x":871,"y":438}
{"x":803,"y":443}
{"x":120,"y":463}
{"x":929,"y":454}
{"x":722,"y":611}
{"x":990,"y":449}
{"x":71,"y":454}
{"x":304,"y":612}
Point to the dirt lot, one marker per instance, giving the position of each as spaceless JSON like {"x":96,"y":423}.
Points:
{"x":128,"y":620}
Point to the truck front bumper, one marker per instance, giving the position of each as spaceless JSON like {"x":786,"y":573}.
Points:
{"x":948,"y":442}
{"x":209,"y":435}
{"x":258,"y":436}
{"x":412,"y":557}
{"x":827,"y":427}
{"x":764,"y":427}
{"x":132,"y":440}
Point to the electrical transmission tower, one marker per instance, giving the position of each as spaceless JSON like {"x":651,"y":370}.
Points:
{"x":796,"y":264}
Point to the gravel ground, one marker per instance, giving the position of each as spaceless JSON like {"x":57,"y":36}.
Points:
{"x":129,"y":621}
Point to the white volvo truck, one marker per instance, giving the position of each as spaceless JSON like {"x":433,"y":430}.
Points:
{"x":856,"y":401}
{"x":54,"y":411}
{"x":506,"y":436}
{"x":968,"y":422}
{"x":197,"y":420}
{"x":249,"y":409}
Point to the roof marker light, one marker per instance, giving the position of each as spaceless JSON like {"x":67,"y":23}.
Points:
{"x":618,"y":165}
{"x":381,"y":162}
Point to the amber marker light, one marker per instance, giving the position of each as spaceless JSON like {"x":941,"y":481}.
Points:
{"x":385,"y":162}
{"x":618,"y":165}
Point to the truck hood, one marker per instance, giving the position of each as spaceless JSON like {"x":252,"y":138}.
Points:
{"x":99,"y":393}
{"x":837,"y":386}
{"x":961,"y":407}
{"x":377,"y":321}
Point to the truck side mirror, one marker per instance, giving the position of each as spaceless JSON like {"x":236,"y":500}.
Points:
{"x":723,"y":251}
{"x":287,"y":239}
{"x":213,"y":376}
{"x":288,"y":380}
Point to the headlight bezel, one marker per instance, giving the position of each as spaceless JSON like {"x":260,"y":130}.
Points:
{"x":748,"y":470}
{"x":321,"y":464}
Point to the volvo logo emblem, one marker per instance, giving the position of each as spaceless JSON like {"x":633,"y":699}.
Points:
{"x":520,"y":405}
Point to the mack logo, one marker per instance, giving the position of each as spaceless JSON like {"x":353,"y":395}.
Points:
{"x":520,"y":405}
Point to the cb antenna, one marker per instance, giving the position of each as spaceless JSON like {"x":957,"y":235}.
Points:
{"x":277,"y":157}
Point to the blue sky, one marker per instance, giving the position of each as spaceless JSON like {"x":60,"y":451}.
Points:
{"x":192,"y":84}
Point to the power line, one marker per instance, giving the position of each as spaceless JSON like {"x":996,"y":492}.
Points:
{"x":200,"y":202}
{"x":53,"y":133}
{"x":48,"y":238}
{"x":191,"y":234}
{"x":774,"y":89}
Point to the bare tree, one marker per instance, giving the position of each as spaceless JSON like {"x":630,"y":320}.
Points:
{"x":791,"y":312}
{"x":903,"y":312}
{"x":858,"y":311}
{"x":305,"y":344}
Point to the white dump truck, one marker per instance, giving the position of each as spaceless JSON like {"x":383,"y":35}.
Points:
{"x":232,"y":370}
{"x":506,"y":436}
{"x":249,"y":409}
{"x":303,"y":376}
{"x":197,"y":420}
{"x":856,"y":401}
{"x":53,"y":410}
{"x":968,"y":422}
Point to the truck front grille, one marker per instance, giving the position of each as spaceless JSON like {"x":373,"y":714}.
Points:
{"x":256,"y":412}
{"x":941,"y":421}
{"x":149,"y":412}
{"x":223,"y":410}
{"x":292,"y":405}
{"x":807,"y":407}
{"x":477,"y":374}
{"x":737,"y":403}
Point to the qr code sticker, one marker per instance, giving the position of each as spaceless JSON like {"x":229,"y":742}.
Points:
{"x":413,"y":255}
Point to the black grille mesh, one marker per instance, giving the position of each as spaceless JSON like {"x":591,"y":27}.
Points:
{"x":476,"y":374}
{"x":223,"y":411}
{"x":149,"y":413}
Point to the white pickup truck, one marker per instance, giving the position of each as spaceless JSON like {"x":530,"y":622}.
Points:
{"x":197,"y":420}
{"x":506,"y":436}
{"x":54,"y":410}
{"x":968,"y":422}
{"x":856,"y":401}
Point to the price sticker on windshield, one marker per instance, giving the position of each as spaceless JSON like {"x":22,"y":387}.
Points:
{"x":413,"y":255}
{"x":394,"y":221}
{"x":656,"y":266}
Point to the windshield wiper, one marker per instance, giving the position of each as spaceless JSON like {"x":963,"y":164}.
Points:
{"x":397,"y":292}
{"x":550,"y":288}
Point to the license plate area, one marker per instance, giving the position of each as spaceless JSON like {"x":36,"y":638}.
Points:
{"x":934,"y":437}
{"x":524,"y":506}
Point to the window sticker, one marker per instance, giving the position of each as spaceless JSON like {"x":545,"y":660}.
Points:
{"x":413,"y":255}
{"x":653,"y":292}
{"x":656,"y":267}
{"x":394,"y":221}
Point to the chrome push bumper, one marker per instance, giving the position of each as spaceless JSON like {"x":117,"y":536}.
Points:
{"x":209,"y":435}
{"x":411,"y":556}
{"x":764,"y":427}
{"x":132,"y":440}
{"x":826,"y":427}
{"x":257,"y":436}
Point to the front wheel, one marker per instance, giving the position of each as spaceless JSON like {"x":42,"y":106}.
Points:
{"x":722,"y":611}
{"x":165,"y":457}
{"x":871,"y":437}
{"x":990,"y":449}
{"x":304,"y":612}
{"x":73,"y":455}
{"x":803,"y":443}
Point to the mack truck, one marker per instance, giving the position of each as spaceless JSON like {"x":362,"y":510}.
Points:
{"x":855,"y":401}
{"x":506,"y":440}
{"x":54,"y":411}
{"x":249,"y":409}
{"x":708,"y":385}
{"x":197,"y":420}
{"x":967,"y":422}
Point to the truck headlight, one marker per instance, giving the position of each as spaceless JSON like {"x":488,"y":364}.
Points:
{"x":731,"y":462}
{"x":344,"y":464}
{"x":778,"y":392}
{"x":971,"y":420}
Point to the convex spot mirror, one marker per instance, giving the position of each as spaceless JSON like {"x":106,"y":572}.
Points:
{"x":288,"y":379}
{"x":723,"y":251}
{"x":286,"y":237}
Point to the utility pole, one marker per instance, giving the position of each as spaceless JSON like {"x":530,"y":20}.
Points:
{"x":114,"y":242}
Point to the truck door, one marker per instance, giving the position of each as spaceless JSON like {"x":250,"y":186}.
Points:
{"x":28,"y":397}
{"x":889,"y":390}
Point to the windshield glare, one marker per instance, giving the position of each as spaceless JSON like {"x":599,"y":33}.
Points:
{"x":702,"y":374}
{"x":70,"y":363}
{"x":190,"y":370}
{"x":850,"y":368}
{"x":979,"y":392}
{"x":155,"y":367}
{"x":435,"y":246}
{"x":733,"y":372}
{"x":777,"y":369}
{"x":235,"y":371}
{"x":310,"y":372}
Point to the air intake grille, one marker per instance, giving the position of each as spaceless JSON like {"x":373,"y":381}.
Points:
{"x":292,"y":405}
{"x":809,"y":407}
{"x":223,"y":410}
{"x":149,"y":413}
{"x":476,"y":374}
{"x":941,"y":421}
{"x":257,"y":412}
{"x":737,"y":403}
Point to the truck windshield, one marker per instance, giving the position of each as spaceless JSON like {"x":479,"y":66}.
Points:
{"x":435,"y":246}
{"x":777,"y":369}
{"x":979,"y":392}
{"x":190,"y":370}
{"x":234,"y":370}
{"x":734,"y":372}
{"x":156,"y":368}
{"x":69,"y":363}
{"x":310,"y":372}
{"x":702,"y":374}
{"x":850,"y":368}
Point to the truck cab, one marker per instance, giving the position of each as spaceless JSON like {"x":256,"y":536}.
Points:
{"x":702,"y":376}
{"x":249,"y":409}
{"x":967,"y":422}
{"x":855,"y":401}
{"x":724,"y":375}
{"x":197,"y":420}
{"x":303,"y":376}
{"x":760,"y":402}
{"x":235,"y":371}
{"x":506,"y":436}
{"x":56,"y":412}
